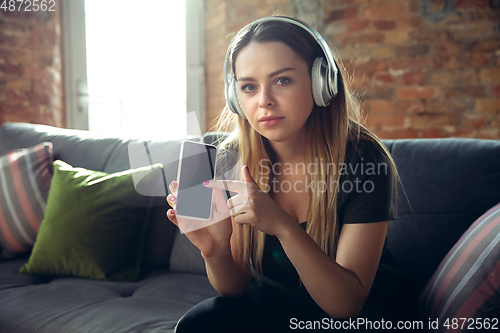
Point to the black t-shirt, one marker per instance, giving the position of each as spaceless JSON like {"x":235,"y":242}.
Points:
{"x":365,"y":196}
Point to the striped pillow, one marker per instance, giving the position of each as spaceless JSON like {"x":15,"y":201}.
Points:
{"x":25,"y":176}
{"x":467,"y":282}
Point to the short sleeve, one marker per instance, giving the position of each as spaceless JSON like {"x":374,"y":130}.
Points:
{"x":366,"y":185}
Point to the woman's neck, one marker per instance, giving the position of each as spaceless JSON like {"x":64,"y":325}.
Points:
{"x":293,"y":149}
{"x":289,"y":153}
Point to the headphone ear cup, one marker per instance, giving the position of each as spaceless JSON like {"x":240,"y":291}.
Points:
{"x":233,"y":99}
{"x":238,"y":101}
{"x":319,"y":79}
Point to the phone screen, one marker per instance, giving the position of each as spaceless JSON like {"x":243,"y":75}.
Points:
{"x":197,"y":164}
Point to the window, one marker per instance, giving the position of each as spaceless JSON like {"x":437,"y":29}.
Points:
{"x":133,"y":77}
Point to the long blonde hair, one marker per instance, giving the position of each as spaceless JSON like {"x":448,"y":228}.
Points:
{"x":329,"y":129}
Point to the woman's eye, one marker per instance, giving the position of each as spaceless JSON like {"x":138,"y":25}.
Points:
{"x":283,"y":80}
{"x":247,"y":88}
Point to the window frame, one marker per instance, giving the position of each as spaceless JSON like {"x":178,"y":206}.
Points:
{"x":75,"y":64}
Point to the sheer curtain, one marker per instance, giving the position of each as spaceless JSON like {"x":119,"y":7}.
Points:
{"x":136,"y":67}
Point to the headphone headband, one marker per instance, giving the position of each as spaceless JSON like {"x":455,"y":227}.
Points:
{"x":326,"y":74}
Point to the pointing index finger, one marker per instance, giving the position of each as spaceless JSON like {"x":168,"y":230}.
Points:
{"x":228,"y":185}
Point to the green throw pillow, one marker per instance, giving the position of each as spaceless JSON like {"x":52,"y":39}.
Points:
{"x":94,"y":226}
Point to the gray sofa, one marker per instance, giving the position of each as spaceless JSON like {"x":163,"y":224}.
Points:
{"x":449,"y":183}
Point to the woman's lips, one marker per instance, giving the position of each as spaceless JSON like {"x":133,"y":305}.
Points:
{"x":272,"y":122}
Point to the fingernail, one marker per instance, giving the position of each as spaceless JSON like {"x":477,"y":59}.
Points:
{"x":172,"y":212}
{"x":206,"y":182}
{"x":172,"y":198}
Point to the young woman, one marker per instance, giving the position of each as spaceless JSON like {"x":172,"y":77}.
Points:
{"x":302,"y":238}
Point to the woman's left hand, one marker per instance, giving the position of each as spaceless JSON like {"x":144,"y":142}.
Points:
{"x":253,"y":206}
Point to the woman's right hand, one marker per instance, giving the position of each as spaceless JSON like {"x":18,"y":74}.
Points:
{"x":210,"y":236}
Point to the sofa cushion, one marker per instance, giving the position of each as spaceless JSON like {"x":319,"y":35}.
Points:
{"x":94,"y":226}
{"x":186,"y":258}
{"x":467,"y":283}
{"x":25,"y":176}
{"x":67,"y":304}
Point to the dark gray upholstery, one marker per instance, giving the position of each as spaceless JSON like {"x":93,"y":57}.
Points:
{"x":185,"y":257}
{"x":72,"y":305}
{"x":449,"y":183}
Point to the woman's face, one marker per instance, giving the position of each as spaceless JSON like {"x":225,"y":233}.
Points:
{"x":273,"y":81}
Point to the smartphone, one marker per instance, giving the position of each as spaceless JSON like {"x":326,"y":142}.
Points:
{"x":196,"y":164}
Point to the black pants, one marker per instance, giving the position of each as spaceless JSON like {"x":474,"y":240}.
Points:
{"x":265,"y":309}
{"x":261,"y":309}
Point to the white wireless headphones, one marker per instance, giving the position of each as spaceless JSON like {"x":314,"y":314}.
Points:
{"x":323,"y":73}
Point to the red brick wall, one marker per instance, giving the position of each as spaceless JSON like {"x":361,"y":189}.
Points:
{"x":423,"y":69}
{"x":31,"y":88}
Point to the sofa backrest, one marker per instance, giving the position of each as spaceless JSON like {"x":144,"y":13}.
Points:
{"x":446,"y":185}
{"x":87,"y":150}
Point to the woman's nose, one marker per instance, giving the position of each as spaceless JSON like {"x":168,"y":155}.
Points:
{"x":266,"y":98}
